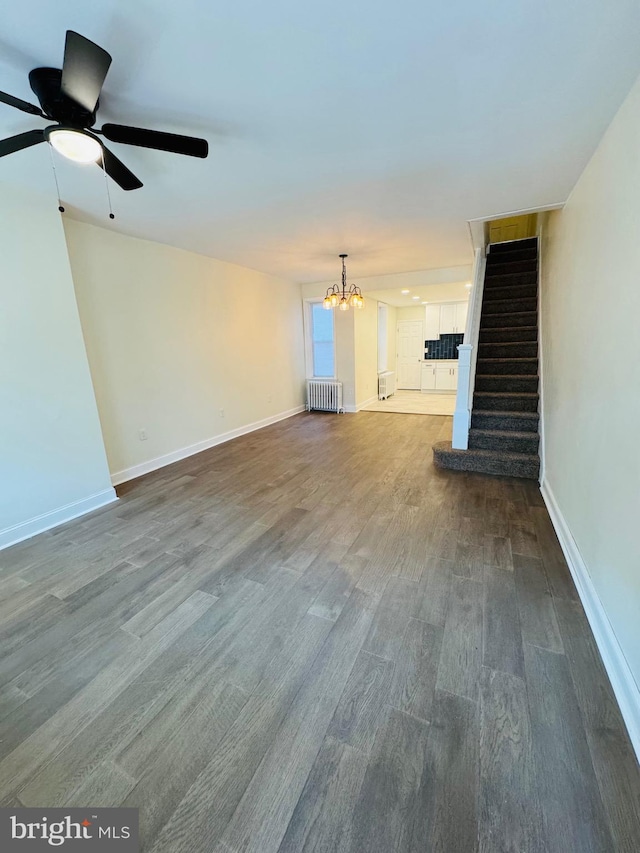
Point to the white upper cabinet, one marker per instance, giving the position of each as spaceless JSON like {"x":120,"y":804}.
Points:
{"x":445,"y":318}
{"x":432,"y":322}
{"x":448,"y":318}
{"x":462,"y":309}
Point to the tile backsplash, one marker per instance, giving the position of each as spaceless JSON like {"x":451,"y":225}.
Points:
{"x":445,"y":347}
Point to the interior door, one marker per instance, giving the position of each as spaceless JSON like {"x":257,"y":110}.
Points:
{"x":410,"y":354}
{"x":513,"y":228}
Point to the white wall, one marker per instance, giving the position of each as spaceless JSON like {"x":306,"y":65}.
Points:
{"x":414,"y":312}
{"x":392,"y":324}
{"x":173,"y":338}
{"x":590,"y":311}
{"x":441,"y":277}
{"x":52,"y":460}
{"x":366,"y":352}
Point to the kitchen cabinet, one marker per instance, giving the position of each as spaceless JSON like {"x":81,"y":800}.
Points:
{"x":445,"y":378}
{"x":432,"y":322}
{"x":461,"y":317}
{"x":428,"y":377}
{"x":439,"y":375}
{"x":453,"y":317}
{"x":445,"y":318}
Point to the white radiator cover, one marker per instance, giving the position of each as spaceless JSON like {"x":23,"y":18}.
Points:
{"x":324,"y":396}
{"x":386,"y":384}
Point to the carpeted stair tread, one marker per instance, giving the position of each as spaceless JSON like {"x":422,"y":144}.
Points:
{"x":512,"y":305}
{"x":508,"y":421}
{"x":507,"y":401}
{"x":512,"y":291}
{"x":511,"y":245}
{"x":518,"y":318}
{"x":508,"y":349}
{"x":507,"y":366}
{"x":497,"y":258}
{"x":509,"y":335}
{"x":518,"y":382}
{"x":508,"y":266}
{"x":526,"y":465}
{"x":511,"y":441}
{"x":496,"y":277}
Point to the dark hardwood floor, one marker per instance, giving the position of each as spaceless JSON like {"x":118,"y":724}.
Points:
{"x":310,"y":639}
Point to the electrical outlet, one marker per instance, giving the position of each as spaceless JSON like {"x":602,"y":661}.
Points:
{"x":142,"y":435}
{"x":221,"y":413}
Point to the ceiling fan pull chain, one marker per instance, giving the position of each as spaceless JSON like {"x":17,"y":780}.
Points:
{"x":55,"y":178}
{"x":106,"y":183}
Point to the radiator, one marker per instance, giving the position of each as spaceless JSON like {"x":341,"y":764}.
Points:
{"x":324,"y":396}
{"x":386,"y":384}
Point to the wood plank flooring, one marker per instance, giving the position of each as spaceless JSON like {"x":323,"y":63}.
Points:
{"x":310,"y":639}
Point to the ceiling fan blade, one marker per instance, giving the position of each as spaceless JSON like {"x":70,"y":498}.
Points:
{"x":22,"y":140}
{"x":174,"y":142}
{"x":118,"y":172}
{"x":19,"y":104}
{"x":83,"y":71}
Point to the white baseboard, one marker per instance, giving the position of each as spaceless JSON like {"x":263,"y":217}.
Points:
{"x":366,"y":403}
{"x":622,"y":681}
{"x":27,"y":529}
{"x":118,"y":477}
{"x":360,"y":406}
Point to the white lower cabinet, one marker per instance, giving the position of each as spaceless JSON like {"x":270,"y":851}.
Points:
{"x":428,"y":377}
{"x":439,"y":375}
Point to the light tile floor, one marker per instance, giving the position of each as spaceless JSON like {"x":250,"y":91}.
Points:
{"x":416,"y":403}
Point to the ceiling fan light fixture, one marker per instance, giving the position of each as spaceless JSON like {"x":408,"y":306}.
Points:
{"x":75,"y":145}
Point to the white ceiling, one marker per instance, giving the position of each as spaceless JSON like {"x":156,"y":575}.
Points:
{"x":405,"y":290}
{"x":422,"y":294}
{"x":374,"y":128}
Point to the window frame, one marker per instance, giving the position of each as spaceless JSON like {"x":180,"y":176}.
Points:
{"x":308,"y":340}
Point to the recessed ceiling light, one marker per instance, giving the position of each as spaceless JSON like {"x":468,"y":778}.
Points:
{"x":468,"y":285}
{"x":415,"y":297}
{"x":405,"y":291}
{"x":424,"y":303}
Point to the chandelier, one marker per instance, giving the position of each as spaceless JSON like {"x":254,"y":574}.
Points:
{"x":341,"y":297}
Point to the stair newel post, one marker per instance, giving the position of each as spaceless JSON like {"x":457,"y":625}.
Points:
{"x":462,"y":414}
{"x":467,"y":355}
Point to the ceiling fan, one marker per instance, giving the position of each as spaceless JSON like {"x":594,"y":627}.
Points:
{"x":69,"y":97}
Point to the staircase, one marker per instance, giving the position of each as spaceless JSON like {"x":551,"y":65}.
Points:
{"x":503,"y":438}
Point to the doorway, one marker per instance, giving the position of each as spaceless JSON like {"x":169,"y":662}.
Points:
{"x":410,"y":354}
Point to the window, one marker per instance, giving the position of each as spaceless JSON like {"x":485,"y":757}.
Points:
{"x":322,"y":348}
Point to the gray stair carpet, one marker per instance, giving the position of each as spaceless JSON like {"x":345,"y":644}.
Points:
{"x":504,"y":438}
